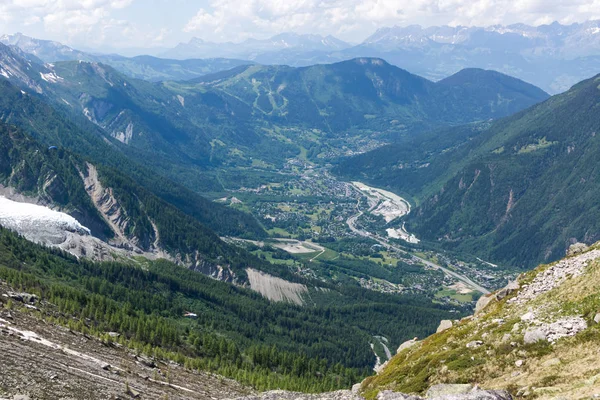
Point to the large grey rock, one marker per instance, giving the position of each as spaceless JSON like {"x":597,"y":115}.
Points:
{"x":597,"y":318}
{"x":534,"y":335}
{"x":444,"y":325}
{"x":483,"y":302}
{"x":577,"y":248}
{"x":465,"y":392}
{"x":478,"y":395}
{"x":508,"y":289}
{"x":448,"y":389}
{"x":389,"y":395}
{"x":406,"y":345}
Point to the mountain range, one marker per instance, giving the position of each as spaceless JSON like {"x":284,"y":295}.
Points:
{"x":183,"y":129}
{"x":210,"y":215}
{"x":140,"y":67}
{"x":553,"y":57}
{"x":290,"y":45}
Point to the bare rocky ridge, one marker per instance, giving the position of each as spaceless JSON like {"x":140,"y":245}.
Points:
{"x":554,"y":275}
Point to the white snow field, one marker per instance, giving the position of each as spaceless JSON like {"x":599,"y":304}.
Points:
{"x":38,"y":223}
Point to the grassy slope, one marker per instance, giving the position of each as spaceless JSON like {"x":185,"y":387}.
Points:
{"x":567,"y":369}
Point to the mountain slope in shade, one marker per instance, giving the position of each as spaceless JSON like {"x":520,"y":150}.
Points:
{"x":517,"y":191}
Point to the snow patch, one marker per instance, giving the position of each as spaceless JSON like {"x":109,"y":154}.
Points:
{"x":51,"y":77}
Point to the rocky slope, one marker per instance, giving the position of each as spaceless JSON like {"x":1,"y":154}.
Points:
{"x":41,"y":360}
{"x":536,"y":338}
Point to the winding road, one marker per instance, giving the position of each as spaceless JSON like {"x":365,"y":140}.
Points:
{"x":385,"y":243}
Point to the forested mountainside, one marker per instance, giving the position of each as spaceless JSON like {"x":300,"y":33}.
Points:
{"x":113,"y":206}
{"x":237,"y":333}
{"x":182,"y":128}
{"x":519,"y":190}
{"x":54,"y":128}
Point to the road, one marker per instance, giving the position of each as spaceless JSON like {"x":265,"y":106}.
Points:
{"x":384,"y":242}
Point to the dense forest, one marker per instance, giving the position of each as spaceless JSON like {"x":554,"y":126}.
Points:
{"x":237,"y":333}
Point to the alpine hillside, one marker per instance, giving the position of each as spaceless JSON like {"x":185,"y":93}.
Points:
{"x":519,"y":190}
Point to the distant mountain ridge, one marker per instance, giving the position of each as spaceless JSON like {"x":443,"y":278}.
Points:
{"x":553,"y":57}
{"x":255,"y":49}
{"x":140,"y":67}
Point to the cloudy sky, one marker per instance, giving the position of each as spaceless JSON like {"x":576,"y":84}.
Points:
{"x":119,"y":24}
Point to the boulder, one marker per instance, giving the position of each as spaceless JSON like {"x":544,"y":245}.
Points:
{"x":576,"y":248}
{"x":406,"y":345}
{"x":389,"y":395}
{"x":483,"y":302}
{"x":436,"y":391}
{"x":597,"y":318}
{"x":479,"y":395}
{"x":444,"y":325}
{"x":534,"y":335}
{"x":474,"y":344}
{"x":23,"y":297}
{"x":508,"y":289}
{"x":528,"y":316}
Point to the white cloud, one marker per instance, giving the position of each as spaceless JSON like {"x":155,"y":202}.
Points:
{"x":140,"y":23}
{"x":356,"y":19}
{"x":77,"y":21}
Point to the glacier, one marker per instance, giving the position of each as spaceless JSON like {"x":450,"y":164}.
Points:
{"x":38,"y":223}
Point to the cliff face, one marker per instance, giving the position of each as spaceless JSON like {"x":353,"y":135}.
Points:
{"x":537,"y":338}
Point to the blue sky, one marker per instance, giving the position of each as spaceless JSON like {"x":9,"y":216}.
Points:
{"x":119,"y":24}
